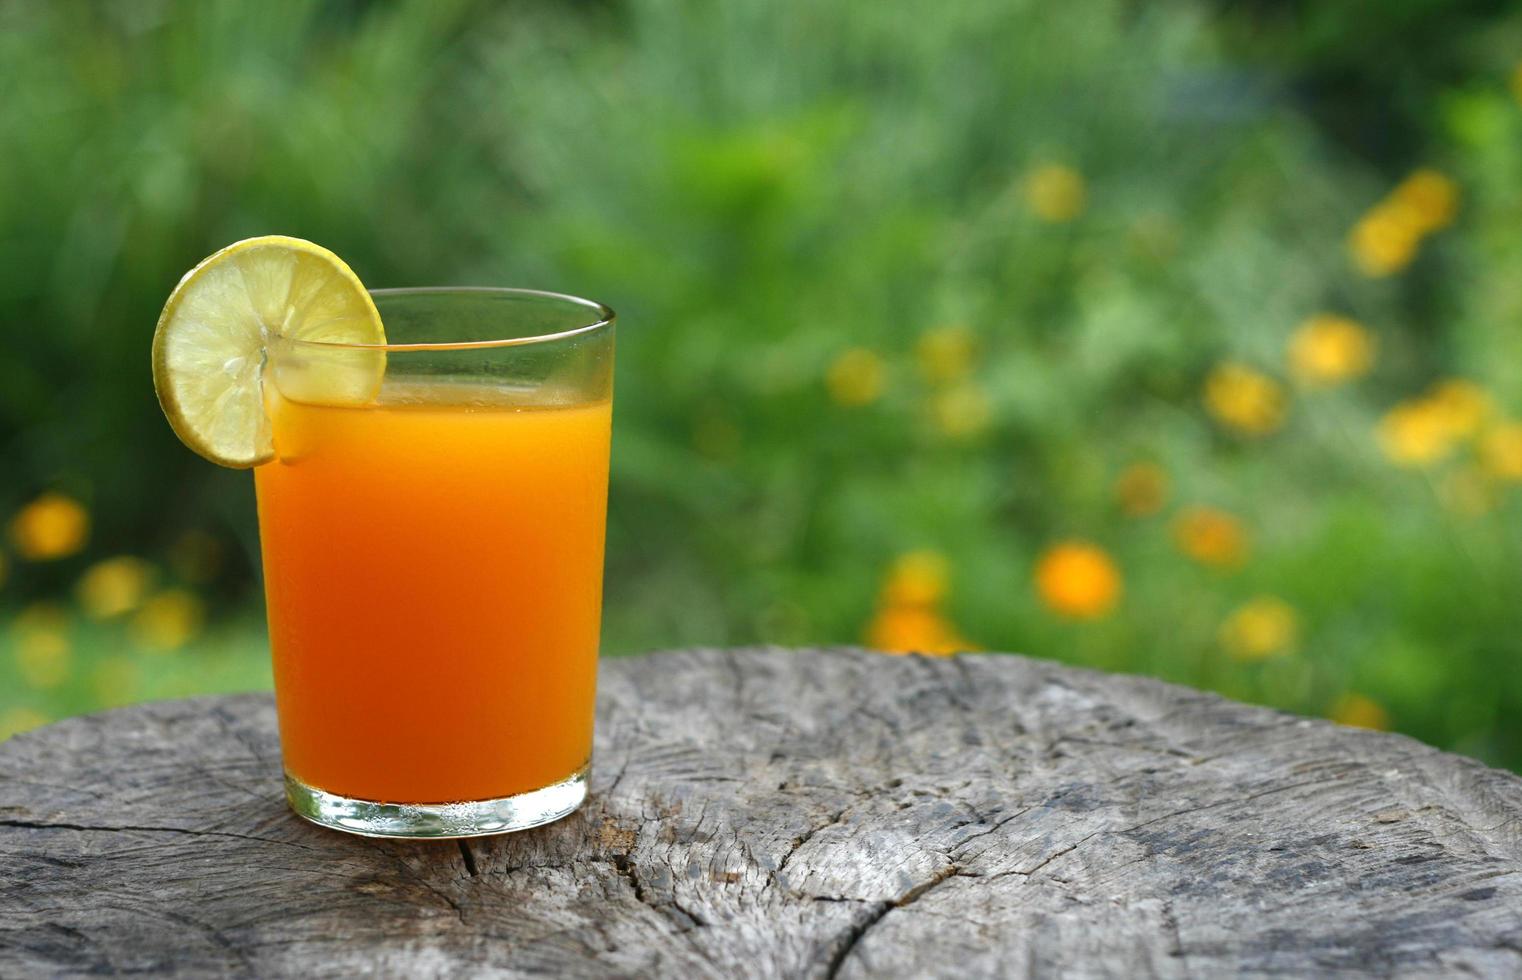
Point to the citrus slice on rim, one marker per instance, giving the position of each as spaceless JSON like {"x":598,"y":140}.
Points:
{"x":213,"y":338}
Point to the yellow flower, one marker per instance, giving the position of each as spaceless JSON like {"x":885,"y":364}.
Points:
{"x":1327,"y":349}
{"x":42,"y":645}
{"x":1428,"y":200}
{"x":114,"y":680}
{"x":18,"y":720}
{"x":1463,"y":406}
{"x":856,"y":377}
{"x":1211,"y":537}
{"x":114,"y":586}
{"x":1424,"y":431}
{"x":1078,"y":580}
{"x":168,"y":621}
{"x":913,"y":629}
{"x":1055,"y":193}
{"x":52,"y":526}
{"x":945,"y":353}
{"x":1516,"y":83}
{"x":1384,"y":241}
{"x":1414,"y":434}
{"x":917,"y":578}
{"x":1141,"y":489}
{"x":1501,"y":452}
{"x":1260,"y":628}
{"x":1244,"y":399}
{"x":962,"y":410}
{"x":1359,"y":711}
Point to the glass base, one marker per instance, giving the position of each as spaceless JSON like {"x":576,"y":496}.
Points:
{"x":473,"y":818}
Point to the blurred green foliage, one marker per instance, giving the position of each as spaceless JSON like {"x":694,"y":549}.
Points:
{"x":907,"y":278}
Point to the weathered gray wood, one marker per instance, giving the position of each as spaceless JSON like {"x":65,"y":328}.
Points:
{"x":790,"y":813}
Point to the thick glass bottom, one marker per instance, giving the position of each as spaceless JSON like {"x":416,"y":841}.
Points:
{"x":471,"y":818}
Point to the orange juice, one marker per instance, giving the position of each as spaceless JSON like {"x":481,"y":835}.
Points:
{"x":433,"y":570}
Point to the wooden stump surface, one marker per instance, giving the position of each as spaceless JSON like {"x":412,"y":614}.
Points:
{"x":810,"y":813}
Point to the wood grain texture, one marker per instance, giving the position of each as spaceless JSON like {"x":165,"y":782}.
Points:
{"x":811,"y":813}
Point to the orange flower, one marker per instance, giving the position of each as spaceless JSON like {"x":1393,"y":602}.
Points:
{"x":908,"y":618}
{"x":1360,"y":712}
{"x":1327,"y":349}
{"x":917,"y":578}
{"x":1211,"y":537}
{"x":1244,"y":399}
{"x":1261,"y":628}
{"x":1055,"y":193}
{"x":945,"y":353}
{"x":913,"y":629}
{"x":1141,"y":489}
{"x":52,"y":526}
{"x":1078,"y":580}
{"x":856,"y":377}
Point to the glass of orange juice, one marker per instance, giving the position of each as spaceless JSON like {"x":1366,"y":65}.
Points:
{"x":433,"y":559}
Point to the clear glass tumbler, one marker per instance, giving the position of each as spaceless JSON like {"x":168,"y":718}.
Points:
{"x":432,"y":531}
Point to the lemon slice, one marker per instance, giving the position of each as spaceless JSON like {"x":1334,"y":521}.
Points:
{"x":216,"y":331}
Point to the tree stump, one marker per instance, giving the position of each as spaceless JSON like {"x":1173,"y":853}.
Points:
{"x":805,"y":813}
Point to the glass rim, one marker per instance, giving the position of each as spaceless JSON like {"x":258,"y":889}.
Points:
{"x":604,"y":317}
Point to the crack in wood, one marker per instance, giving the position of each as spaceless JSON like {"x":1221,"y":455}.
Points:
{"x":878,"y":912}
{"x":1059,"y":853}
{"x":1274,"y":853}
{"x":806,"y":837}
{"x":618,"y":778}
{"x":852,"y":938}
{"x":467,"y":857}
{"x":628,"y":870}
{"x":998,"y":826}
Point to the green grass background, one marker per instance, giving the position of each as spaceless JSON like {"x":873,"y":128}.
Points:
{"x":758,"y":187}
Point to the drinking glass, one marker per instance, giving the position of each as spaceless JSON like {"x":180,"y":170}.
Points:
{"x":432,"y":533}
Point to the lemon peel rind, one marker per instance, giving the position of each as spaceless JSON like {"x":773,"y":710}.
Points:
{"x":259,"y":450}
